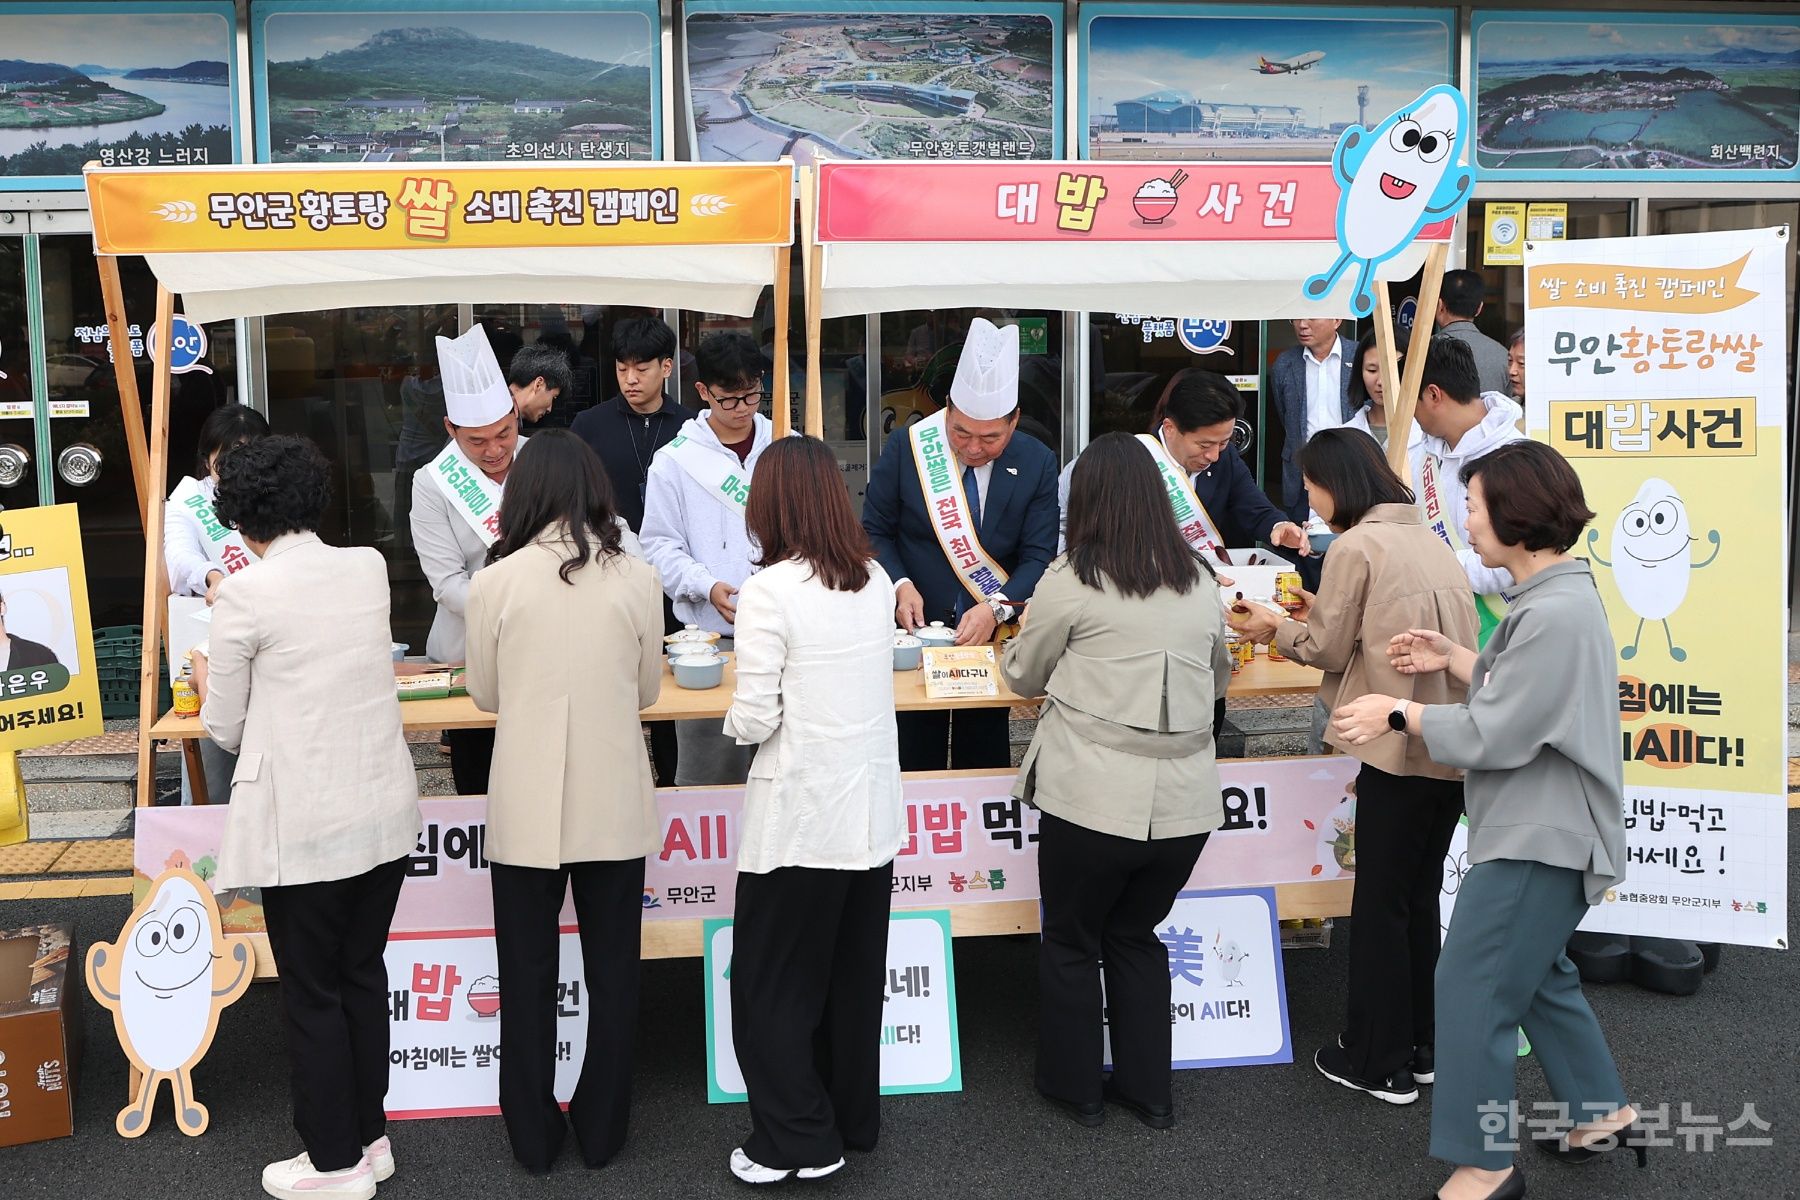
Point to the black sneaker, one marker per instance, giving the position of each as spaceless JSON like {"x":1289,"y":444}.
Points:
{"x":1334,"y":1064}
{"x":1424,"y":1065}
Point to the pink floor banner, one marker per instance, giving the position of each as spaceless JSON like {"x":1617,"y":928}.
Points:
{"x":1287,"y":820}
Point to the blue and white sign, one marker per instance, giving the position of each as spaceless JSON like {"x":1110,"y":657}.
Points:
{"x":1227,"y":990}
{"x":1407,"y":312}
{"x":1203,"y":335}
{"x":189,"y":342}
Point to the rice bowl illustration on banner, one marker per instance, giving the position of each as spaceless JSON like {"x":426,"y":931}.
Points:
{"x":1397,"y":178}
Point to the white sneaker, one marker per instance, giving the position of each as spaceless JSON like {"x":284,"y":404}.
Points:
{"x":297,"y":1179}
{"x":380,"y":1154}
{"x":751,"y":1171}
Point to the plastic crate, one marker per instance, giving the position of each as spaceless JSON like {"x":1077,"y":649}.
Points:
{"x":118,"y":658}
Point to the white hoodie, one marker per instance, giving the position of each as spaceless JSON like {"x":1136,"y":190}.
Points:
{"x":690,"y":537}
{"x":1499,"y":427}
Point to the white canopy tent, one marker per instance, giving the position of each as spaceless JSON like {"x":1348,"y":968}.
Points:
{"x":260,"y":240}
{"x":887,"y":236}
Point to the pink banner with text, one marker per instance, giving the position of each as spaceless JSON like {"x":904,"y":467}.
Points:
{"x":1082,"y":201}
{"x":1288,"y":820}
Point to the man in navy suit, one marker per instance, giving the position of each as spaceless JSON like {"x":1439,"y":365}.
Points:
{"x":966,"y":542}
{"x":1310,"y":384}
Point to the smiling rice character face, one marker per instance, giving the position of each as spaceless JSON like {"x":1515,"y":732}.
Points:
{"x":1652,"y":564}
{"x":1409,"y":154}
{"x":165,"y":981}
{"x":166,"y":977}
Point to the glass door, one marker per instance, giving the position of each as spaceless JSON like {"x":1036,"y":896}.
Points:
{"x":18,"y":405}
{"x":89,"y":462}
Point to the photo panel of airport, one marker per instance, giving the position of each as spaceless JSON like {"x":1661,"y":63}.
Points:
{"x":903,"y":83}
{"x":459,"y":86}
{"x":1244,"y":84}
{"x":1636,"y":93}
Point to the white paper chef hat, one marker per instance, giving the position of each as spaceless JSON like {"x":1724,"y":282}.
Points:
{"x":986,"y":386}
{"x":475,"y":391}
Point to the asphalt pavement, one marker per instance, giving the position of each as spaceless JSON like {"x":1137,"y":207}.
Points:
{"x":1250,"y":1132}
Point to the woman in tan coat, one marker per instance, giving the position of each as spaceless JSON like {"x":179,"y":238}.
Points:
{"x":1387,"y":573}
{"x":564,"y":643}
{"x":1125,"y":638}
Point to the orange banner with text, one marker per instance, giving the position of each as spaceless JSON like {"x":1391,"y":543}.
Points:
{"x":1643,"y":289}
{"x":412,"y":206}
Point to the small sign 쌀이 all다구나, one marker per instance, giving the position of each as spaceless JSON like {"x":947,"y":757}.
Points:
{"x":960,"y":672}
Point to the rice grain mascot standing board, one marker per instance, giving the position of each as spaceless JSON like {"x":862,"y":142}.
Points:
{"x":1396,"y":179}
{"x":165,"y":981}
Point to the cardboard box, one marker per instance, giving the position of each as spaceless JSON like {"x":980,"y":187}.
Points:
{"x":40,"y":1009}
{"x":1256,"y":582}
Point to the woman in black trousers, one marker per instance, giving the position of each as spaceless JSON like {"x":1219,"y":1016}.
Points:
{"x":1125,"y":634}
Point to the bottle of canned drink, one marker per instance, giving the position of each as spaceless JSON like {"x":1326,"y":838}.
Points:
{"x":1275,"y":654}
{"x":187,"y":700}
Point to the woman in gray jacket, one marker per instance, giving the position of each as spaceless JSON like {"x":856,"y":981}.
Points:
{"x":1538,"y":738}
{"x":1125,"y":636}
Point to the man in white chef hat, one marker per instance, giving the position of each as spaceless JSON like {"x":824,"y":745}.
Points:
{"x":961,"y":509}
{"x":456,"y":514}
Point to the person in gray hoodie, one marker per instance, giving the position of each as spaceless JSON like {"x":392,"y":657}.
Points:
{"x":694,"y":533}
{"x":1544,"y":787}
{"x":1460,"y":423}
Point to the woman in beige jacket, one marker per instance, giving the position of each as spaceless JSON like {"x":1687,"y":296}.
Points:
{"x":1387,"y":573}
{"x":1124,"y":636}
{"x":564,"y":643}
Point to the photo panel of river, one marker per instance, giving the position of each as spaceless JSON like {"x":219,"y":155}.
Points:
{"x":1654,"y":95}
{"x":148,"y":85}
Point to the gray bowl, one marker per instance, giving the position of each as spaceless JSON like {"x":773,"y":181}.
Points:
{"x":698,"y":672}
{"x":909,"y":653}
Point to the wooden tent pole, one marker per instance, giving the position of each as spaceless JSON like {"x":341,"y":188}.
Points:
{"x":131,"y":408}
{"x":813,"y":264}
{"x":1404,"y":399}
{"x":784,"y":404}
{"x":156,"y":590}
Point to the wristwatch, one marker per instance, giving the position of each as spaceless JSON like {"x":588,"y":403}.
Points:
{"x":1000,"y":608}
{"x":1397,"y":716}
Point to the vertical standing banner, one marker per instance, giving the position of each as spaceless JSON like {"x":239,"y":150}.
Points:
{"x":1656,"y":365}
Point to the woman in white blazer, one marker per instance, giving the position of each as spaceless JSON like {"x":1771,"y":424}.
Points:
{"x":299,"y":681}
{"x":565,"y":644}
{"x":200,"y":550}
{"x":822,"y":820}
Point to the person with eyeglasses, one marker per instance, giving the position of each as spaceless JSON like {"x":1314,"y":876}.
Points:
{"x":694,"y":533}
{"x":1192,"y":431}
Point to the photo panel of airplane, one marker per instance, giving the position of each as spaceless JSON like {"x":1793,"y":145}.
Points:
{"x":1197,"y":82}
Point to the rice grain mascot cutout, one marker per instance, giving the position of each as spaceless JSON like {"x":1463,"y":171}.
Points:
{"x":1396,"y":179}
{"x":165,"y":981}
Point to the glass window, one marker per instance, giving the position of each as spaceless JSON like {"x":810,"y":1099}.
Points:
{"x":843,"y":372}
{"x":362,"y":384}
{"x":919,"y":349}
{"x":1134,"y":360}
{"x":581,"y":331}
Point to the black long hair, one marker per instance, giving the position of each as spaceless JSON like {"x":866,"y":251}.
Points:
{"x":1349,"y":464}
{"x":557,"y":479}
{"x":227,"y":426}
{"x":1120,"y":524}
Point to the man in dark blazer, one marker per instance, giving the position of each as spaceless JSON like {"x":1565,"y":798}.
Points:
{"x":1008,"y":498}
{"x":17,"y":652}
{"x":1321,"y":357}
